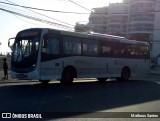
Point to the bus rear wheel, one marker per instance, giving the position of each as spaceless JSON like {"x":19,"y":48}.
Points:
{"x":125,"y":74}
{"x":67,"y":76}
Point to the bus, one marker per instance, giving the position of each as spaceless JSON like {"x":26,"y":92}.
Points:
{"x":46,"y":54}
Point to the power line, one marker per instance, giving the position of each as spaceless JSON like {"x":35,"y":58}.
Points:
{"x":72,"y":12}
{"x":43,"y":15}
{"x":80,"y":5}
{"x":86,"y":8}
{"x":26,"y":21}
{"x":13,"y":4}
{"x":34,"y":18}
{"x":70,"y":1}
{"x":41,"y":9}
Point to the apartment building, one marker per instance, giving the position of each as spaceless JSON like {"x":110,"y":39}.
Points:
{"x":98,"y":20}
{"x":118,"y":19}
{"x":134,"y":19}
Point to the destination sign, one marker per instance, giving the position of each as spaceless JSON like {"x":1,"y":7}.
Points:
{"x":28,"y":33}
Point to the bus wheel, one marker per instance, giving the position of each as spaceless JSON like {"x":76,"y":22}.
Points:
{"x":67,"y":76}
{"x":125,"y":74}
{"x":44,"y":81}
{"x":102,"y":79}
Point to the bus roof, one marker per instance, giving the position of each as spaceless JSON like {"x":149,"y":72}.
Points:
{"x":91,"y":35}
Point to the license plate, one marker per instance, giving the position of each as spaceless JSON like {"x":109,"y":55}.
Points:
{"x":21,"y":76}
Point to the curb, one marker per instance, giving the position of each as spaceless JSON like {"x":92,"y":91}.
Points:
{"x":2,"y":81}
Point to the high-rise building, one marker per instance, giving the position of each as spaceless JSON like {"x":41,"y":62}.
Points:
{"x":134,"y":19}
{"x":118,"y":19}
{"x":98,"y":20}
{"x":141,"y":19}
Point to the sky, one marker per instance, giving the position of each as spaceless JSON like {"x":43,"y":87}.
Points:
{"x":11,"y":24}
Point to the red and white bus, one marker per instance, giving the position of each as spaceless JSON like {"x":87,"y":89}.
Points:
{"x":47,"y":54}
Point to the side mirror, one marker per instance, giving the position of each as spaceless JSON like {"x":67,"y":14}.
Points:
{"x":8,"y":43}
{"x":11,"y":42}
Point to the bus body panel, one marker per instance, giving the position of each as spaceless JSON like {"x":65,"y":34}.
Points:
{"x":93,"y":67}
{"x":33,"y":75}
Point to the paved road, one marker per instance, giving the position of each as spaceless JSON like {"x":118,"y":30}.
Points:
{"x":82,"y":97}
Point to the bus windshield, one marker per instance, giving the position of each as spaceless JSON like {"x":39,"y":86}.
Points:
{"x":25,"y":51}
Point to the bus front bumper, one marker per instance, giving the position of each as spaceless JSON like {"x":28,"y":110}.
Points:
{"x":34,"y":75}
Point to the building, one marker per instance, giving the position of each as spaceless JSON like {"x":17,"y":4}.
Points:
{"x":134,"y":19}
{"x":98,"y":20}
{"x":118,"y":19}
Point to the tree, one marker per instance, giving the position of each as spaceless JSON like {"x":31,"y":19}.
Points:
{"x":81,"y":27}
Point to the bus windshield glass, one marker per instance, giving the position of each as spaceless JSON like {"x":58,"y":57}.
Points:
{"x":24,"y":47}
{"x":25,"y":51}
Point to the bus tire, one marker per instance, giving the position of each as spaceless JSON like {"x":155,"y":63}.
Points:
{"x":125,"y":74}
{"x":67,"y":76}
{"x":44,"y":81}
{"x":102,"y":79}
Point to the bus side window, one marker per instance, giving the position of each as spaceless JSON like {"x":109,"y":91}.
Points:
{"x":144,"y":50}
{"x":50,"y":45}
{"x":44,"y":44}
{"x":126,"y":52}
{"x":106,"y":50}
{"x":53,"y":46}
{"x":116,"y":50}
{"x":90,"y":47}
{"x":71,"y":45}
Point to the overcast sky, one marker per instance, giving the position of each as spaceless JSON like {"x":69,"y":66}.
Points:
{"x":10,"y":24}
